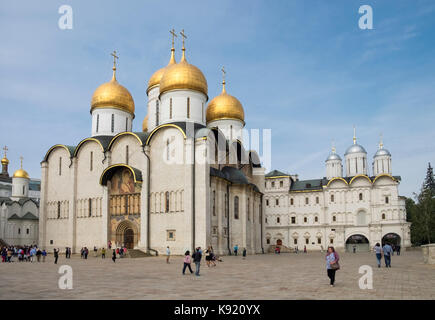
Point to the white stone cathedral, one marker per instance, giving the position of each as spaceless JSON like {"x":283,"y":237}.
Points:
{"x":19,"y":206}
{"x":162,"y":186}
{"x":351,"y":211}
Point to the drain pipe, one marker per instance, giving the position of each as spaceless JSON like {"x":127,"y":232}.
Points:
{"x":261,"y":231}
{"x":193,"y":195}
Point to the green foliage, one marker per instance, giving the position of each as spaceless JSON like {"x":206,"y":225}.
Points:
{"x":422,"y":212}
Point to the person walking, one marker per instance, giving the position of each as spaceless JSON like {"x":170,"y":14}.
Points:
{"x":168,"y":254}
{"x":208,"y":256}
{"x":354,"y":249}
{"x":56,"y":255}
{"x":244,"y":253}
{"x":388,"y":250}
{"x":38,"y":255}
{"x":332,"y":264}
{"x":187,"y":261}
{"x":236,"y":248}
{"x":305,"y":249}
{"x":44,"y":254}
{"x":398,"y":249}
{"x":114,"y":256}
{"x":95,"y":251}
{"x":197,"y":259}
{"x":378,"y":251}
{"x":103,"y":253}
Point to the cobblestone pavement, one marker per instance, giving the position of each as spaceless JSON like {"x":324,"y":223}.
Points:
{"x":285,"y":276}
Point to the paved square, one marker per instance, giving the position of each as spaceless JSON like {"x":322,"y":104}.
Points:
{"x":285,"y":276}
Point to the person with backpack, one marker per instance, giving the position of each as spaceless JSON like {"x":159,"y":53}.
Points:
{"x":332,"y":264}
{"x":197,"y":259}
{"x":187,"y":261}
{"x":236,"y":248}
{"x":378,"y":251}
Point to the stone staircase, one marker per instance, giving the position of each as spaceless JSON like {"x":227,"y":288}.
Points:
{"x":3,"y":243}
{"x":284,"y":249}
{"x":136,"y":253}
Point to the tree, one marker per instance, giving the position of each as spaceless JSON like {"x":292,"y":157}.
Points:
{"x":423,"y":212}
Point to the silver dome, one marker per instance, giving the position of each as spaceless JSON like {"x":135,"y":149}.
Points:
{"x":382,"y":152}
{"x":333,"y":156}
{"x":355,"y":148}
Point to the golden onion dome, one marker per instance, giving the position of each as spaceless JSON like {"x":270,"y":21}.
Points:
{"x":145,"y":124}
{"x":112,"y":95}
{"x":183,"y":76}
{"x":5,"y":160}
{"x":21,"y":173}
{"x":157,"y":76}
{"x":224,"y":106}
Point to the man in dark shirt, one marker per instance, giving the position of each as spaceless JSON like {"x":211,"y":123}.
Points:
{"x":197,"y":259}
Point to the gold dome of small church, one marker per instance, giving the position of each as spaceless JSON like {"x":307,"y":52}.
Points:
{"x":224,"y":106}
{"x":21,"y":173}
{"x":112,"y":95}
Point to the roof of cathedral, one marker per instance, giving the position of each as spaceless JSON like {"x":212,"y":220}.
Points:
{"x":27,"y":216}
{"x":276,"y":173}
{"x":225,"y":106}
{"x":232,"y":175}
{"x":308,"y":185}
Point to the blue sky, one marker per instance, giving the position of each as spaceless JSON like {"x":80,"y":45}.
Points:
{"x":301,"y":68}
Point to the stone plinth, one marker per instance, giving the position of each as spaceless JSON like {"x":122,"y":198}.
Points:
{"x":429,"y":253}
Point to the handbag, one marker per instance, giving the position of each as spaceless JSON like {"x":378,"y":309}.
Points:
{"x":335,"y":266}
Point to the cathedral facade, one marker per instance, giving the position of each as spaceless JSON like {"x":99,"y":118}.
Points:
{"x":19,"y":207}
{"x":184,"y":181}
{"x":351,"y":211}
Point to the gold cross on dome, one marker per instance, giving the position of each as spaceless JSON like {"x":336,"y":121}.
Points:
{"x":183,"y":35}
{"x":174,"y":35}
{"x":223,"y":73}
{"x":113,"y":54}
{"x":21,"y":159}
{"x":5,"y":150}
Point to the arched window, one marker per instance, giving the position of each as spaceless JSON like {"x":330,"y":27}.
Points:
{"x":291,"y":201}
{"x":91,"y":161}
{"x":126,"y":124}
{"x":360,"y":196}
{"x":332,"y":198}
{"x":267,"y":202}
{"x":126,"y":154}
{"x":60,"y":166}
{"x":167,"y":149}
{"x":277,"y":202}
{"x":334,"y":218}
{"x":19,"y":231}
{"x":247,"y":210}
{"x":170,"y":108}
{"x":188,"y":107}
{"x":166,"y":201}
{"x":317,"y":200}
{"x":98,"y":122}
{"x":157,"y":112}
{"x":90,"y":207}
{"x":278,"y":220}
{"x":307,"y":200}
{"x":387,"y":200}
{"x":305,"y":219}
{"x":58,"y":209}
{"x":236,"y":207}
{"x":316,"y":219}
{"x":113,"y":123}
{"x":383,"y":216}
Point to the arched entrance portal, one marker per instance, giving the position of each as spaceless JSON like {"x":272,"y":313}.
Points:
{"x":392,"y":239}
{"x":129,"y":238}
{"x":126,"y":234}
{"x":279,"y":242}
{"x":357,"y":242}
